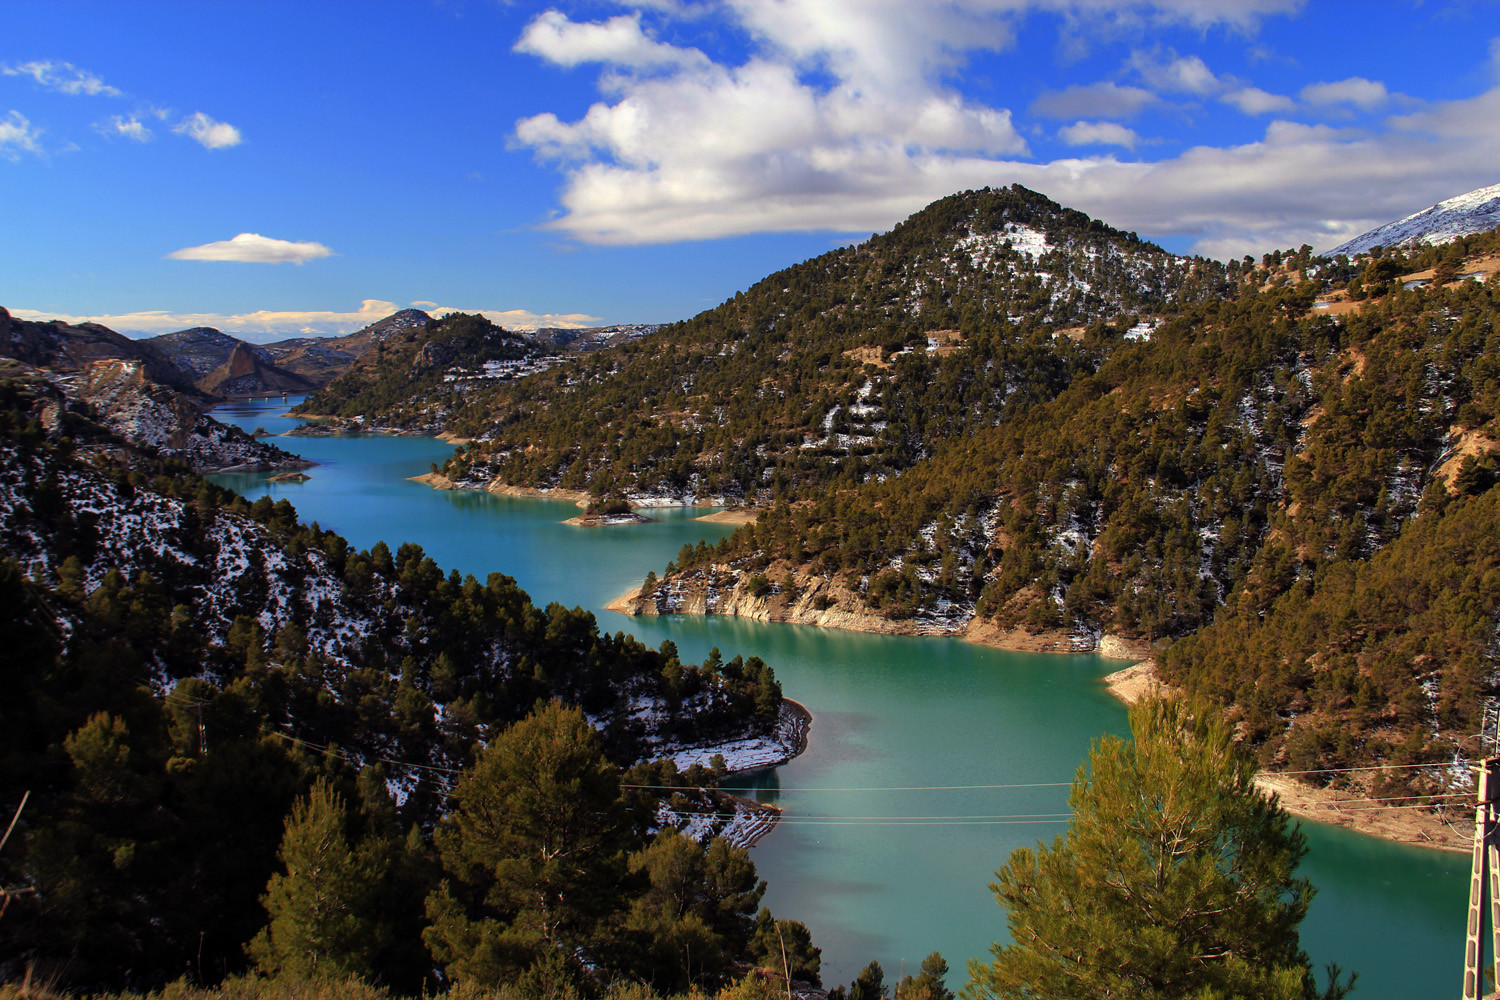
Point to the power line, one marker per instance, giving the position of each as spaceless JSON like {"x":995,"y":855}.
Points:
{"x":898,"y":821}
{"x":340,"y":755}
{"x":797,"y":818}
{"x":1372,"y":767}
{"x":872,"y":788}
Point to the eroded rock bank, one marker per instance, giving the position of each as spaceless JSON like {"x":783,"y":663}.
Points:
{"x":792,"y":595}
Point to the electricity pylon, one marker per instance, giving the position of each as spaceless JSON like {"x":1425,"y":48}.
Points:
{"x":1486,"y":863}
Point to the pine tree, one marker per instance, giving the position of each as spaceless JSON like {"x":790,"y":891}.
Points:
{"x":930,"y":982}
{"x":320,"y":908}
{"x":1176,"y":878}
{"x":696,"y":911}
{"x":534,"y":849}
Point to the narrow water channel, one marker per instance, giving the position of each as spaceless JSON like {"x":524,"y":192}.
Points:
{"x":880,"y":854}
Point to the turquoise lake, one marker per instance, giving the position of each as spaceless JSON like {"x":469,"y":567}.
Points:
{"x":879,"y":853}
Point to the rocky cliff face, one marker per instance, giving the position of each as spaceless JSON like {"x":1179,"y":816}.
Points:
{"x":246,"y":373}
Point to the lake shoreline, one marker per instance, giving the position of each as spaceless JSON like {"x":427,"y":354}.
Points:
{"x":1402,"y":825}
{"x":727,"y":515}
{"x":979,"y":633}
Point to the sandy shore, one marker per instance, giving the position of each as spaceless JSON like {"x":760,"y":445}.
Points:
{"x":436,"y":480}
{"x":1451,"y":829}
{"x":731,"y":515}
{"x":625,"y":603}
{"x":1450,"y":832}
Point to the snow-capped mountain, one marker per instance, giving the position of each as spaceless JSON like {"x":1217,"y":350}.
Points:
{"x":1475,"y":212}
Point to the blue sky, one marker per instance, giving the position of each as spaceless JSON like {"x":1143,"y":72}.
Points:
{"x":278,"y":168}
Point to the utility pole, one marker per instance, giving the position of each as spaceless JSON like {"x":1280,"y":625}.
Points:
{"x":1486,"y":863}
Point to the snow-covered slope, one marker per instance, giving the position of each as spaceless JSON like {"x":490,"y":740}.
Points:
{"x":145,"y":413}
{"x":1475,"y":212}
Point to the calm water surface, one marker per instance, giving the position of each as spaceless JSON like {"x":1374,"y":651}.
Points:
{"x":877,"y":862}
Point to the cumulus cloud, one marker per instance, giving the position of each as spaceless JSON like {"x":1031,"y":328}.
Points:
{"x":707,"y":150}
{"x":17,"y":136}
{"x":253,"y":248}
{"x":1254,"y":101}
{"x":841,"y":118}
{"x":1367,"y":95}
{"x":1098,"y":134}
{"x":267,"y":325}
{"x":1101,"y":100}
{"x":125,"y":127}
{"x":1175,"y":74}
{"x":619,"y":41}
{"x":207,"y":132}
{"x":63,"y":77}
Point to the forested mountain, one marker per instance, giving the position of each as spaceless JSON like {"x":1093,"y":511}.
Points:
{"x":182,"y":667}
{"x":808,"y":376}
{"x":1010,"y":421}
{"x":1007,"y":420}
{"x":1258,"y":470}
{"x":416,"y":379}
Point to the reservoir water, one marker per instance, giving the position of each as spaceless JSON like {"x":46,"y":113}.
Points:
{"x":880,"y":854}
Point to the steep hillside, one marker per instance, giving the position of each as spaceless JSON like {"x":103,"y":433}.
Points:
{"x":1463,"y":215}
{"x":1220,"y":484}
{"x":181,"y":666}
{"x":198,"y":351}
{"x":850,"y":366}
{"x":153,"y":416}
{"x":115,"y":397}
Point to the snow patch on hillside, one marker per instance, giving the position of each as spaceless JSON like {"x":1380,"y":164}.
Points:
{"x":1477,"y":211}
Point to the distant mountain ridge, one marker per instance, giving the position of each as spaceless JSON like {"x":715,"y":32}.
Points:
{"x":70,"y":349}
{"x":135,"y":389}
{"x":1463,"y":215}
{"x":223,"y":365}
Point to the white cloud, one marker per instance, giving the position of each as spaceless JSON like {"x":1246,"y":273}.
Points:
{"x":1254,"y":101}
{"x":1356,"y":90}
{"x":17,"y":136}
{"x":619,"y":41}
{"x":253,"y":248}
{"x":1100,"y":100}
{"x":209,"y":133}
{"x":267,"y":325}
{"x":1176,"y":75}
{"x":63,"y":77}
{"x":126,"y":127}
{"x":841,"y":119}
{"x":1098,"y":134}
